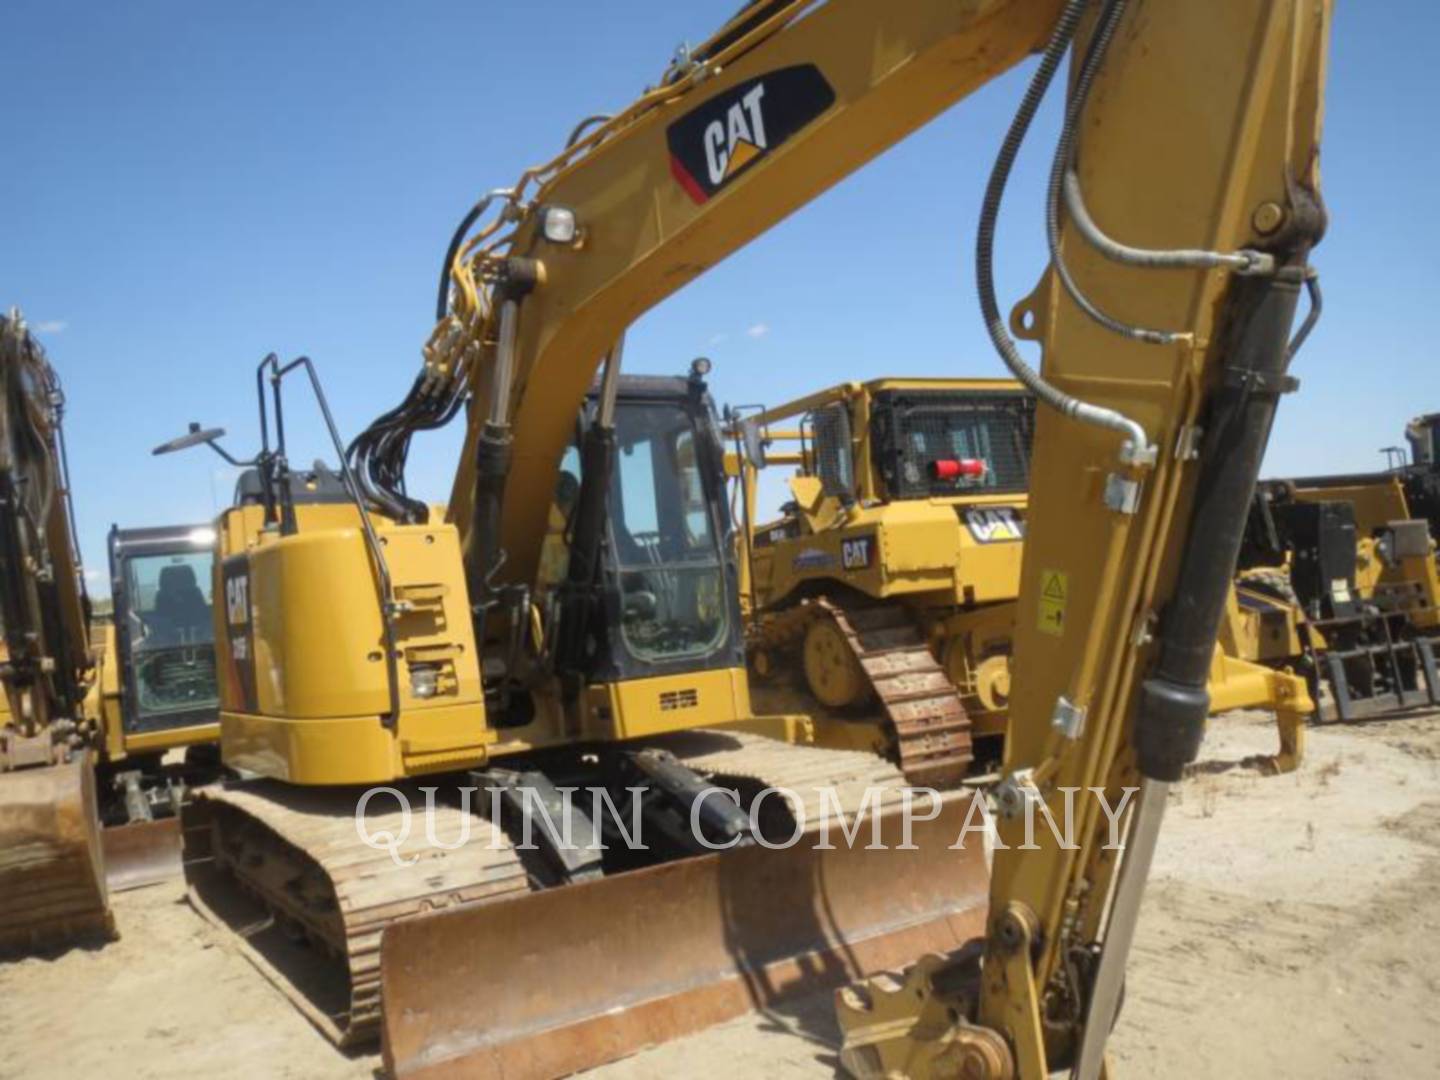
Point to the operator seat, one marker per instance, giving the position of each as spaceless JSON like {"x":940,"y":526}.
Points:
{"x":181,"y":613}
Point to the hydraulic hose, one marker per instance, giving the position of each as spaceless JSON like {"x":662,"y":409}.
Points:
{"x":1064,"y":153}
{"x":1136,"y":441}
{"x":1244,"y":262}
{"x":442,"y":299}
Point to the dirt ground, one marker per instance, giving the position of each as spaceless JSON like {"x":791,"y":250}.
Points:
{"x":1291,"y":929}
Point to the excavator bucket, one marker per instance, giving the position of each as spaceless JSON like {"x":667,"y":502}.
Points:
{"x":545,"y":984}
{"x":145,"y":853}
{"x":52,"y":883}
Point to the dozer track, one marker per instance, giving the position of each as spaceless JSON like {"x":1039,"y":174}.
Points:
{"x":52,"y":883}
{"x":298,"y":852}
{"x":932,"y":728}
{"x":591,"y":972}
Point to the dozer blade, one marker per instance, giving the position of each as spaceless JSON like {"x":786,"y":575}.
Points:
{"x":145,"y":853}
{"x":52,"y":884}
{"x":568,"y":978}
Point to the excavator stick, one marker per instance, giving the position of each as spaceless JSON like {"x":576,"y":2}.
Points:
{"x":141,"y":854}
{"x":563,"y":979}
{"x":52,"y":882}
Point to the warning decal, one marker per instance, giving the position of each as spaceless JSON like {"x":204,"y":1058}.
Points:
{"x":1054,"y":588}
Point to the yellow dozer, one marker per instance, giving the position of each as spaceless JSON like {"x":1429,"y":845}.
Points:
{"x":892,"y":574}
{"x":570,"y":620}
{"x":890,"y":581}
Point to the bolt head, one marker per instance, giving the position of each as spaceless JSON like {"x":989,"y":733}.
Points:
{"x":1268,"y":217}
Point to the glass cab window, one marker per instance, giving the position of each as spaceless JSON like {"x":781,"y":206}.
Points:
{"x":171,"y":632}
{"x":662,"y":534}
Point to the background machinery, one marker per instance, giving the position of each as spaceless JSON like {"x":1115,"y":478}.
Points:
{"x":94,"y":702}
{"x":891,"y":577}
{"x":1421,"y":476}
{"x":52,"y":881}
{"x":368,"y":642}
{"x":158,"y":683}
{"x":1352,"y":565}
{"x":892,"y":573}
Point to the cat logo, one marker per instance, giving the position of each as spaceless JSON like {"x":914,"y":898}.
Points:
{"x":239,"y":619}
{"x":994,"y":524}
{"x":237,"y":600}
{"x":858,"y":553}
{"x":734,"y":142}
{"x":721,"y":139}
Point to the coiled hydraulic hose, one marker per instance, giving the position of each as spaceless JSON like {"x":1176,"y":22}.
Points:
{"x":1136,"y":442}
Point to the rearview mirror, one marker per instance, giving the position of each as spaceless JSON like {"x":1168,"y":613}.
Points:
{"x":194,"y":437}
{"x":753,"y":443}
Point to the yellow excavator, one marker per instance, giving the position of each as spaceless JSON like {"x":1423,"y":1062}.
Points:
{"x":369,"y":641}
{"x":52,"y":879}
{"x":889,"y":581}
{"x":93,"y":704}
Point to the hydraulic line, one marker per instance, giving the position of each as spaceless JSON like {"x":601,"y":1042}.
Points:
{"x":1064,"y":153}
{"x":442,"y":300}
{"x":1065,"y":182}
{"x":1317,"y":306}
{"x":1137,"y":444}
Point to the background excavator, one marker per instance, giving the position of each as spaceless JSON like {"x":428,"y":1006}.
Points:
{"x":92,"y":704}
{"x":890,"y":580}
{"x":52,"y":879}
{"x":367,"y":641}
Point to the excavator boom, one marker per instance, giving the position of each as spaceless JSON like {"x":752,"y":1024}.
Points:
{"x":52,"y":882}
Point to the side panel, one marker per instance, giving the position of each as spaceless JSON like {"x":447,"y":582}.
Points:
{"x":304,"y":684}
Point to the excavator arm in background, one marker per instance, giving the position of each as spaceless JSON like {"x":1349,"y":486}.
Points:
{"x":52,"y":883}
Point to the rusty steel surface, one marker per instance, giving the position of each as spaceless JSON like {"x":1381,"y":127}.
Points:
{"x":141,"y":854}
{"x":565,"y":979}
{"x":52,"y":882}
{"x":932,"y":728}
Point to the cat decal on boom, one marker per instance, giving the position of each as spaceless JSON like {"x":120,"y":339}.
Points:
{"x":717,"y":141}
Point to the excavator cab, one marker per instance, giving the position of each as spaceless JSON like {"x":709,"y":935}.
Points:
{"x":164,"y":627}
{"x":160,"y":690}
{"x":665,"y":600}
{"x":1423,"y":434}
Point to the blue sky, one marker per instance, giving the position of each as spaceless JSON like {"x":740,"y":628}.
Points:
{"x":190,"y":185}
